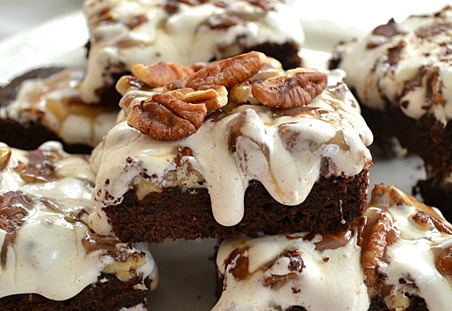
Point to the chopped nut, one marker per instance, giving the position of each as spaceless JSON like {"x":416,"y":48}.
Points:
{"x":165,"y":117}
{"x":40,"y":167}
{"x":429,"y":222}
{"x":93,"y":242}
{"x":444,"y":262}
{"x":5,"y":155}
{"x":278,"y":281}
{"x":265,"y":5}
{"x":387,"y":30}
{"x":14,"y":208}
{"x":160,"y":73}
{"x":434,"y":85}
{"x":224,"y":21}
{"x":125,"y":265}
{"x":227,"y":72}
{"x":240,"y":269}
{"x":433,"y":30}
{"x":290,"y":91}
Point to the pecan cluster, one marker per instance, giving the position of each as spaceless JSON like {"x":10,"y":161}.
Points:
{"x":184,"y":95}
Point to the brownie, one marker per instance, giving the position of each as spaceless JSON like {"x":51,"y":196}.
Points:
{"x":399,"y":72}
{"x":268,"y":162}
{"x":122,"y":34}
{"x":394,"y":257}
{"x":50,"y":259}
{"x":28,"y":130}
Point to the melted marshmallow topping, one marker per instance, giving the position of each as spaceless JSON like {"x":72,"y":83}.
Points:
{"x":55,"y":103}
{"x":417,"y":261}
{"x":407,"y":64}
{"x":277,"y":272}
{"x":45,"y":195}
{"x":124,"y":32}
{"x":408,"y":256}
{"x":286,"y":150}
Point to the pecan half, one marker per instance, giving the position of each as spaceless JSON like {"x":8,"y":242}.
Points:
{"x":165,"y":117}
{"x":290,"y":91}
{"x":160,"y":73}
{"x":377,"y":237}
{"x":227,"y":72}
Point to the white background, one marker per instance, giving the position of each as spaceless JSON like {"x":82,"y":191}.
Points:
{"x":19,"y":15}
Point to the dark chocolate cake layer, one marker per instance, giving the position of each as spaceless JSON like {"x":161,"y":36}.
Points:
{"x":177,"y":214}
{"x":108,"y":294}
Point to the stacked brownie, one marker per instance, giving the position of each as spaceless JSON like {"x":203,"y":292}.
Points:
{"x":237,"y":146}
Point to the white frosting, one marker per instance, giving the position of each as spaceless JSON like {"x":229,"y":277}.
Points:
{"x":55,"y":103}
{"x":182,"y":37}
{"x":332,"y":277}
{"x":48,"y":246}
{"x":283,"y":152}
{"x":375,"y":80}
{"x":413,"y":255}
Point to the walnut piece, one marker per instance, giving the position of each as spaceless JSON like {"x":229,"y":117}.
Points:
{"x":227,"y":72}
{"x":165,"y":117}
{"x":160,"y":73}
{"x":296,"y":89}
